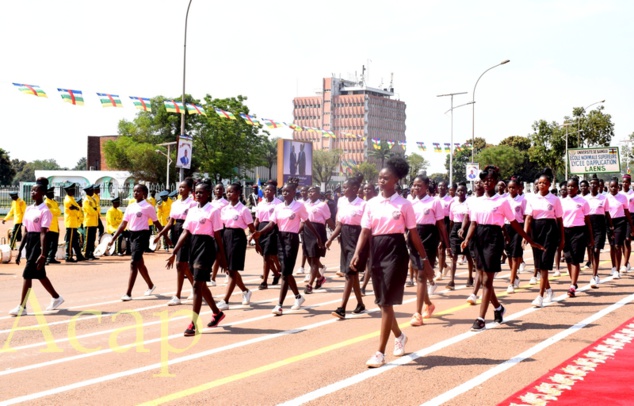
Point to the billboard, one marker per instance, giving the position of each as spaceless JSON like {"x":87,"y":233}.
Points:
{"x":295,"y":160}
{"x":594,"y":160}
{"x":472,"y":171}
{"x":184,"y":156}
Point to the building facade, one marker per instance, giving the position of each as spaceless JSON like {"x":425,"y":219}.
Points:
{"x":95,"y":156}
{"x":349,"y":107}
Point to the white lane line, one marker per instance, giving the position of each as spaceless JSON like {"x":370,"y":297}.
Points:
{"x":498,"y":369}
{"x":355,"y":379}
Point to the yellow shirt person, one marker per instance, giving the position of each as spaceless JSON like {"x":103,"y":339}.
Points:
{"x":53,"y":206}
{"x":114,"y":217}
{"x":71,"y":218}
{"x":91,"y":212}
{"x":163,"y":209}
{"x":18,"y":207}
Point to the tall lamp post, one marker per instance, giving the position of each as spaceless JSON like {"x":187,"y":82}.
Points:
{"x":579,"y":121}
{"x":473,"y":108}
{"x":451,"y":145}
{"x":181,"y":174}
{"x":169,"y":160}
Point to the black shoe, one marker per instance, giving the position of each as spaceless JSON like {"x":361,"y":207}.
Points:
{"x":276,"y":280}
{"x":339,"y":313}
{"x":216,"y":319}
{"x":70,"y":260}
{"x":478,"y":325}
{"x":451,"y":285}
{"x":52,"y":261}
{"x":190,"y":331}
{"x":93,"y":258}
{"x":498,"y":314}
{"x":119,"y":254}
{"x":263,"y":286}
{"x":359,"y":309}
{"x":469,"y":283}
{"x":79,"y":259}
{"x":308,"y":289}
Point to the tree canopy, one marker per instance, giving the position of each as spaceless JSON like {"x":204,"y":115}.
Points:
{"x":27,"y":171}
{"x":7,"y":171}
{"x":325,"y":162}
{"x":417,"y":164}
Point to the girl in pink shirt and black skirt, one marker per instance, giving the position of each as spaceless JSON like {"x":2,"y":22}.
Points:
{"x":319,"y":217}
{"x":599,"y":218}
{"x":620,"y":214}
{"x":268,"y":242}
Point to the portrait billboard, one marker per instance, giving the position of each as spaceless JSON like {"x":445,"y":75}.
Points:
{"x":295,"y":160}
{"x":184,"y":156}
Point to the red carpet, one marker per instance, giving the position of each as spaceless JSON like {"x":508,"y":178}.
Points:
{"x":600,"y":373}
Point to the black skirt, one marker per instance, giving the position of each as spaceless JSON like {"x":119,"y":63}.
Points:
{"x":287,"y":248}
{"x":139,"y":243}
{"x":489,"y":244}
{"x":620,"y":230}
{"x":389,"y":268}
{"x":202,"y":254}
{"x":235,"y":243}
{"x":545,"y":232}
{"x":455,"y":240}
{"x":268,"y":242}
{"x":575,"y":244}
{"x":175,"y":234}
{"x":514,"y":247}
{"x":428,"y":234}
{"x":33,"y":252}
{"x":349,"y":237}
{"x":598,"y":230}
{"x":310,"y":243}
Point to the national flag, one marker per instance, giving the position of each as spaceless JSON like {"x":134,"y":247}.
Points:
{"x":30,"y":89}
{"x":402,"y":144}
{"x":250,"y":120}
{"x":437,"y":147}
{"x":294,"y":127}
{"x":456,"y":146}
{"x":421,"y":146}
{"x":629,"y":171}
{"x":390,"y":143}
{"x":328,"y":134}
{"x":612,"y":151}
{"x":195,"y":109}
{"x":142,"y":103}
{"x":447,"y":147}
{"x":260,"y":192}
{"x":173,"y":106}
{"x":72,"y":96}
{"x":310,"y":129}
{"x":109,"y":100}
{"x":271,"y":123}
{"x":225,"y":114}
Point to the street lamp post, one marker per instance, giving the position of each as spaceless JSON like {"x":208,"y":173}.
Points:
{"x":169,"y":160}
{"x":579,"y":121}
{"x":181,"y":173}
{"x":473,"y":108}
{"x":451,"y":145}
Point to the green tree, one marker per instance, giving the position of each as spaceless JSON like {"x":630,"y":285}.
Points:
{"x":81,"y":165}
{"x":548,"y":147}
{"x":462,"y":158}
{"x":381,"y":153}
{"x":7,"y":171}
{"x":594,"y":129}
{"x":139,"y":158}
{"x":508,"y":159}
{"x":627,"y":154}
{"x":518,"y":142}
{"x":325,"y":163}
{"x":368,"y":170}
{"x":270,"y":154}
{"x":27,"y":174}
{"x":439,"y":177}
{"x":529,"y":169}
{"x":18,"y":166}
{"x":417,"y":164}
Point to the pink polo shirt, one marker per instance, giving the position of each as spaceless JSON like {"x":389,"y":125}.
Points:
{"x":491,"y":210}
{"x":544,"y":207}
{"x":598,"y":204}
{"x":630,"y":199}
{"x":203,"y":220}
{"x":237,"y":216}
{"x":36,"y":218}
{"x":219,"y":203}
{"x":445,"y":203}
{"x":458,"y":210}
{"x":180,"y":208}
{"x":575,"y":209}
{"x":318,"y":211}
{"x":264,"y":210}
{"x":137,"y":215}
{"x":518,"y":206}
{"x":428,"y":210}
{"x":350,"y":212}
{"x":618,"y":203}
{"x":388,"y":216}
{"x":289,"y":218}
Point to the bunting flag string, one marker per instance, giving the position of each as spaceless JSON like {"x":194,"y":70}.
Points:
{"x":30,"y":89}
{"x":225,"y":114}
{"x":402,"y":144}
{"x":74,"y":97}
{"x":421,"y":146}
{"x":173,"y":106}
{"x":142,"y":103}
{"x":447,"y":148}
{"x":195,"y":109}
{"x":250,"y":120}
{"x":109,"y":100}
{"x":437,"y":147}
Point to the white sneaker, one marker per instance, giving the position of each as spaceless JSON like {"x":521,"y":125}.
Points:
{"x":548,"y":296}
{"x":18,"y":311}
{"x":174,"y":301}
{"x":300,"y":271}
{"x":246,"y":297}
{"x":322,"y":270}
{"x":627,"y":268}
{"x":277,"y":310}
{"x":298,"y":303}
{"x":516,"y":284}
{"x":556,"y":273}
{"x":510,"y":289}
{"x":399,"y":345}
{"x":55,"y":303}
{"x":445,"y":271}
{"x":149,"y":291}
{"x":521,"y":268}
{"x":222,"y":305}
{"x":376,"y":361}
{"x":226,"y":279}
{"x":307,"y":278}
{"x":191,"y":296}
{"x":211,"y":284}
{"x":126,"y":298}
{"x":533,"y":281}
{"x":595,"y":281}
{"x":539,"y":276}
{"x":431,"y":289}
{"x":538,"y":302}
{"x":438,"y":276}
{"x":615,"y":274}
{"x":472,"y":299}
{"x":623,"y":269}
{"x":409,"y":283}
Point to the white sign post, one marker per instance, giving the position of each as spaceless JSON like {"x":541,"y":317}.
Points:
{"x":473,"y":171}
{"x":594,"y":160}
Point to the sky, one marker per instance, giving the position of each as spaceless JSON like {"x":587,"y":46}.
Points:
{"x":563,"y":53}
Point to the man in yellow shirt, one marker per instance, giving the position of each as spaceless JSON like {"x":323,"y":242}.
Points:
{"x":97,"y":188}
{"x":52,"y":235}
{"x":91,"y":222}
{"x":114,"y":217}
{"x":163,"y":208}
{"x":18,"y":207}
{"x":72,"y":223}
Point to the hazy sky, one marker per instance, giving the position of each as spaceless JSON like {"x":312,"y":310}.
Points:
{"x":563,"y":54}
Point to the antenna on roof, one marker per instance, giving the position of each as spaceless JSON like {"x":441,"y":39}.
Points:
{"x":392,"y":82}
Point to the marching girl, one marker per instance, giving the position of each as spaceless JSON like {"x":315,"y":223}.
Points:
{"x":350,"y":209}
{"x":620,"y":214}
{"x":487,"y":219}
{"x":369,"y":192}
{"x":203,"y":224}
{"x":629,"y":193}
{"x":544,"y":223}
{"x":563,"y":193}
{"x":218,"y":203}
{"x":599,"y":215}
{"x":457,"y":212}
{"x":288,"y":217}
{"x":319,"y":217}
{"x":177,"y":215}
{"x":136,"y":219}
{"x":445,"y":202}
{"x":584,"y":191}
{"x":430,"y":226}
{"x":478,"y":186}
{"x":514,"y":249}
{"x":384,"y":222}
{"x":577,"y":231}
{"x":268,"y":243}
{"x":302,"y":197}
{"x":36,"y":220}
{"x":236,"y":217}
